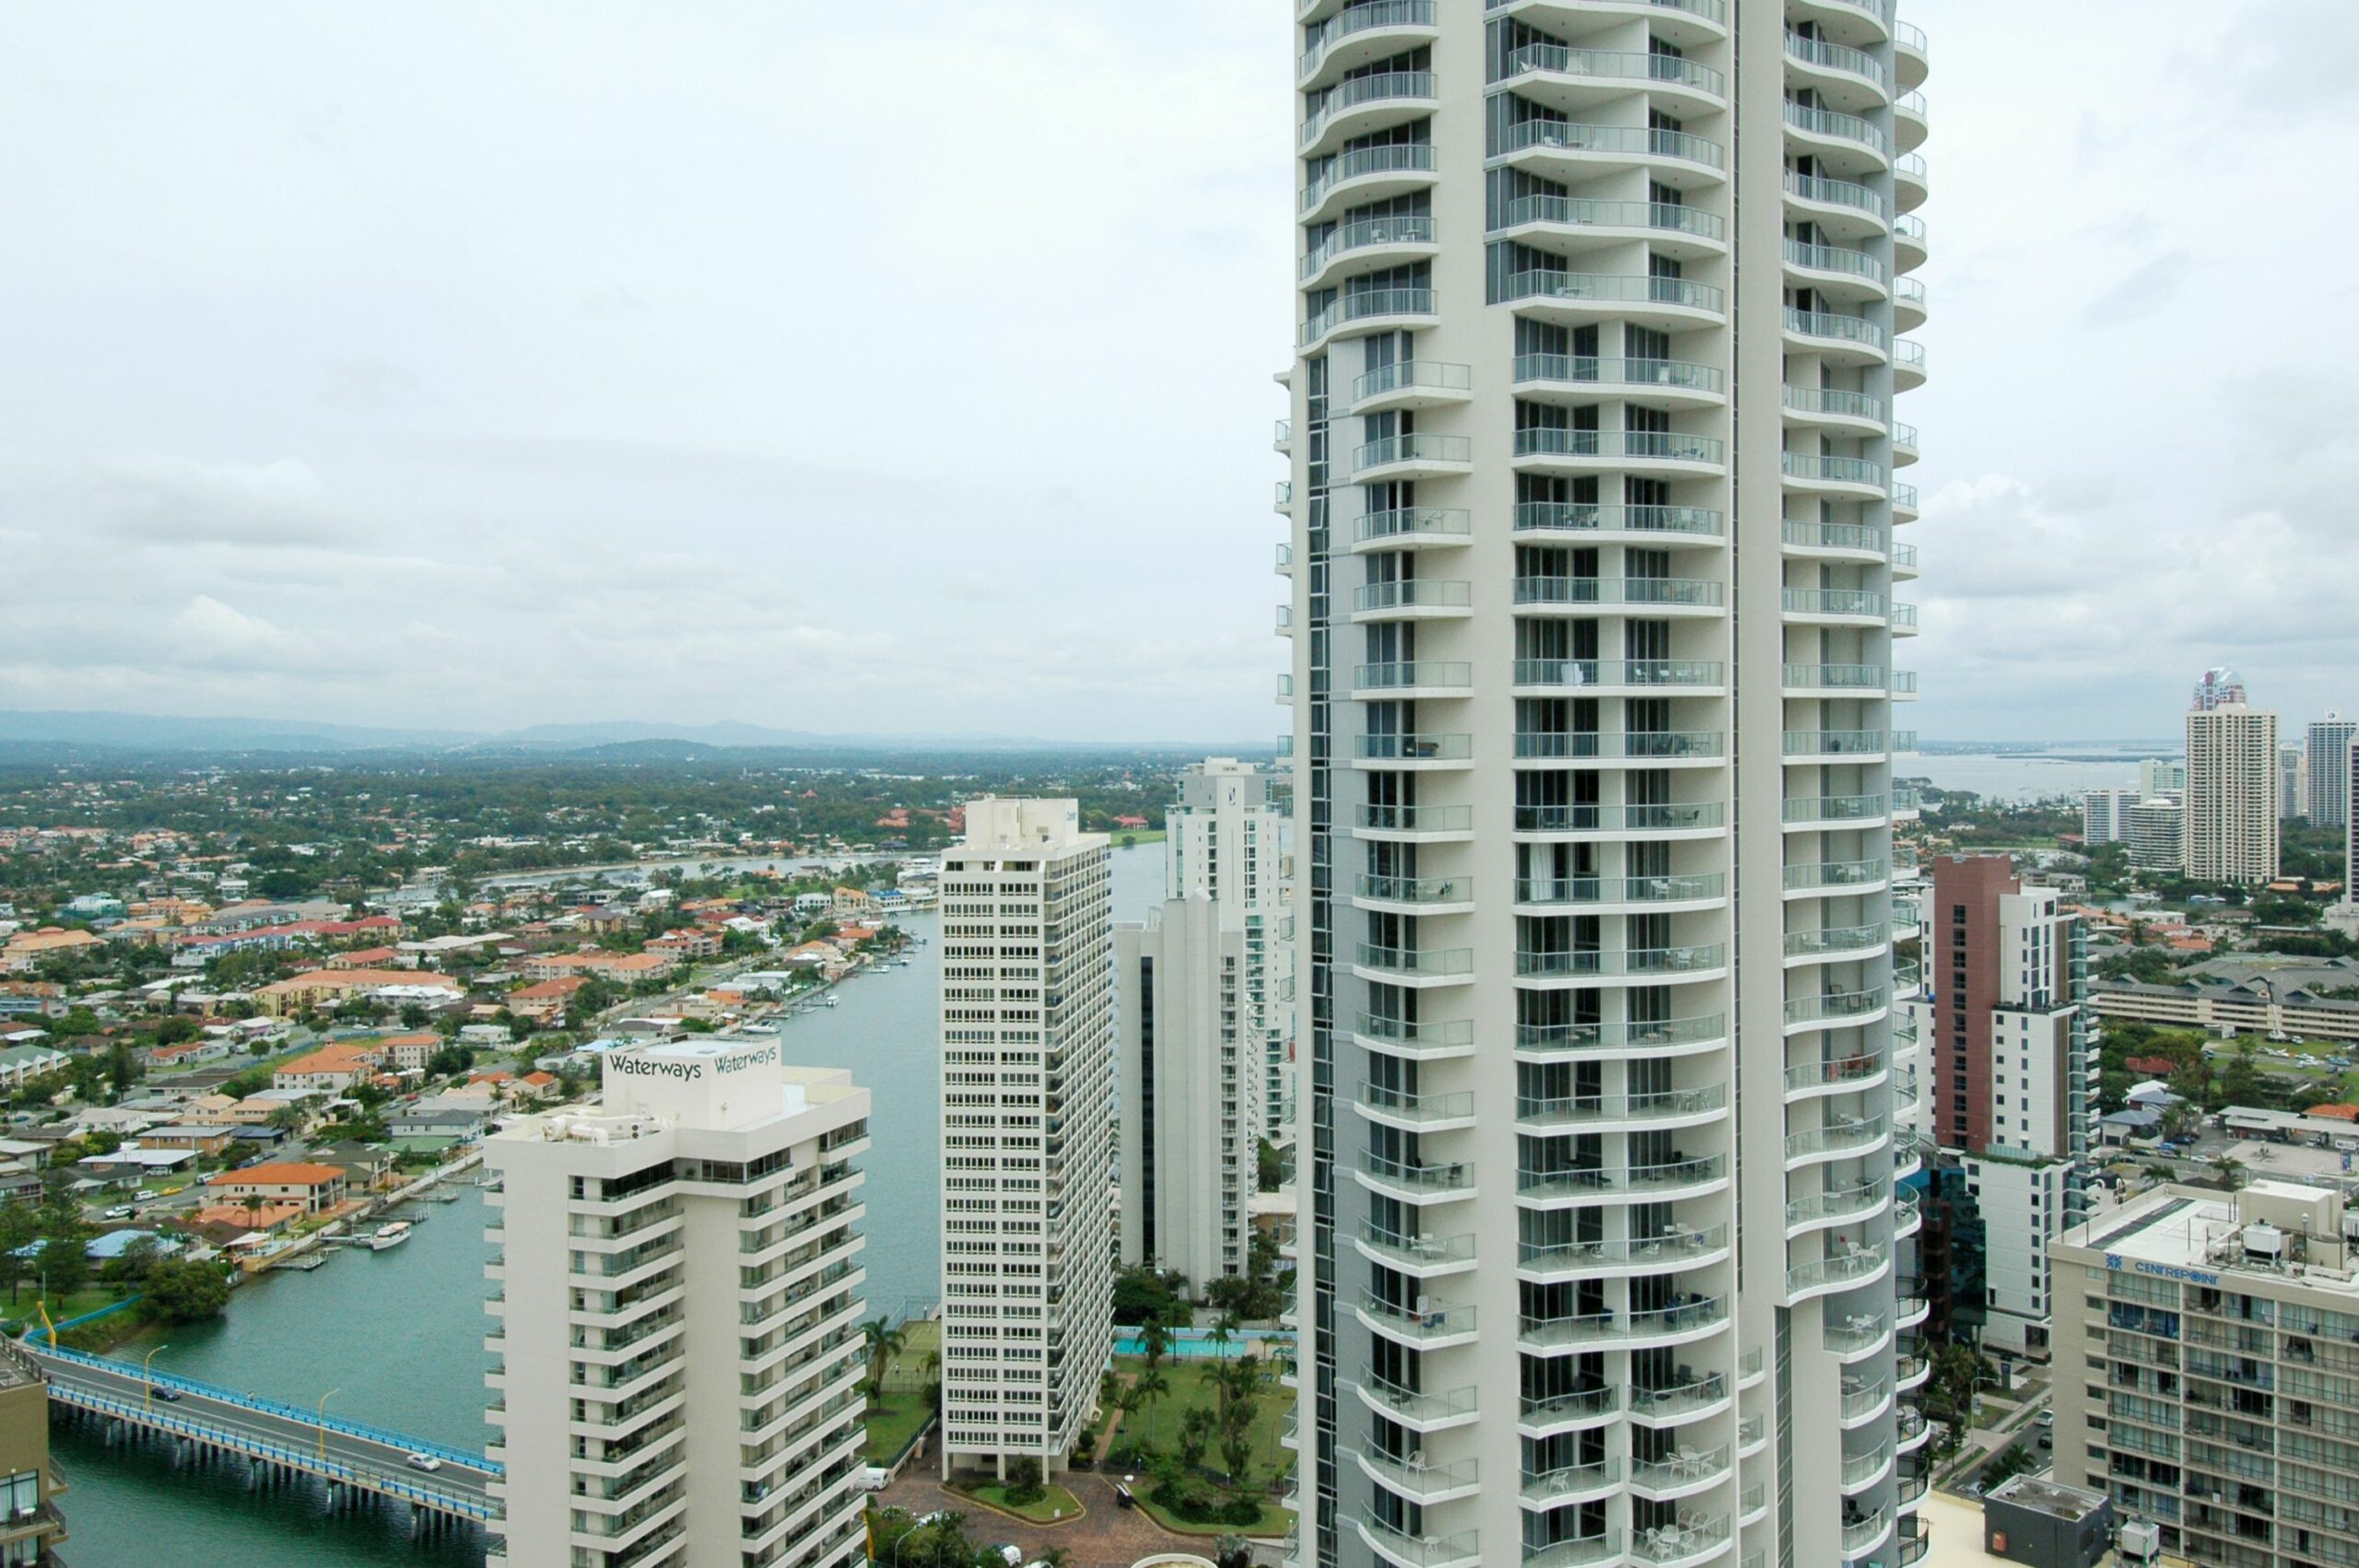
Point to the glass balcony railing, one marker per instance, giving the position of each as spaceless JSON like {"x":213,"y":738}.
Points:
{"x":1368,"y":234}
{"x":1833,"y":602}
{"x":1588,"y":211}
{"x":1410,"y":157}
{"x":1410,"y":1037}
{"x":1834,"y":536}
{"x":1665,"y":1250}
{"x":1415,"y":748}
{"x":1669,"y":818}
{"x":1427,"y":1320}
{"x":1835,"y":1007}
{"x":1620,"y":890}
{"x":1430,"y":963}
{"x":1826,"y":56}
{"x":1835,"y":259}
{"x":1837,"y":194}
{"x":1436,"y":523}
{"x":1579,"y":517}
{"x":1835,"y":325}
{"x":1589,"y":1181}
{"x":1836,"y":874}
{"x":1830,"y":401}
{"x":1411,"y":449}
{"x":1442,"y":1175}
{"x":1662,"y":1035}
{"x":1413,"y":375}
{"x":1368,"y":304}
{"x":1611,"y":289}
{"x":1415,"y":889}
{"x":1839,"y":127}
{"x":1419,"y":1250}
{"x":1835,"y":677}
{"x":1691,"y":592}
{"x":1415,"y":819}
{"x":1620,"y":141}
{"x":1837,"y":939}
{"x":1415,"y":674}
{"x":1577,"y":370}
{"x":1836,"y":808}
{"x":1621,"y":962}
{"x":1363,"y":17}
{"x":1613,"y":64}
{"x":1580,"y":1110}
{"x":1840,"y":1137}
{"x":1665,"y":673}
{"x":1384,"y":87}
{"x":1413,"y":593}
{"x":1813,"y":469}
{"x":1842,"y":1203}
{"x":1834,"y":743}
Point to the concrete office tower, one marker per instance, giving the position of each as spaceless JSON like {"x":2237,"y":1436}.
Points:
{"x":2232,"y":794}
{"x":1229,"y":841}
{"x":2202,"y":1346}
{"x":1190,"y":1077}
{"x":1027,"y":1086}
{"x":2329,"y":784}
{"x":2219,"y":687}
{"x":2005,"y":1024}
{"x":2351,"y":826}
{"x":2157,"y":777}
{"x":679,"y":1316}
{"x":2105,"y":815}
{"x":1593,"y":446}
{"x":2158,"y":836}
{"x":2292,"y":782}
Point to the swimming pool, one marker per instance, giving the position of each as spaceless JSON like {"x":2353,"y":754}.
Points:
{"x":1197,"y":1344}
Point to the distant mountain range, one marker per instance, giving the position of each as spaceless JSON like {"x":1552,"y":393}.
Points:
{"x":22,"y":730}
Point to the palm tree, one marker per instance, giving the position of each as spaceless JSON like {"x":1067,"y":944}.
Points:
{"x":884,"y":1343}
{"x":1150,"y":1386}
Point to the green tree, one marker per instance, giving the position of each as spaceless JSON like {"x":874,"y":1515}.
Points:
{"x":1195,"y":1435}
{"x":182,"y":1290}
{"x":1148,"y":1389}
{"x":130,"y":1269}
{"x":883,"y":1342}
{"x":18,"y":1226}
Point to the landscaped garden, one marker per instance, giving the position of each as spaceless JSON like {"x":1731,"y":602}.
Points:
{"x":905,"y":1372}
{"x":1201,"y":1437}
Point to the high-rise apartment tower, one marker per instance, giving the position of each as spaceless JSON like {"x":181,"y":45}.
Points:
{"x":1592,"y":512}
{"x":679,"y":1305}
{"x":1228,"y":842}
{"x":2232,"y":794}
{"x":1027,"y":1095}
{"x":2330,"y":776}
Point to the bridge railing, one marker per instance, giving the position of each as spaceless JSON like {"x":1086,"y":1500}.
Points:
{"x":402,"y":1442}
{"x":387,"y":1481}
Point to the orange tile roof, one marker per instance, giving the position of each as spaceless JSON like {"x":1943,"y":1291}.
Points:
{"x":289,"y":1173}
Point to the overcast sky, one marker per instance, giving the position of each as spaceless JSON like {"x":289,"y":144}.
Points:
{"x":906,"y":367}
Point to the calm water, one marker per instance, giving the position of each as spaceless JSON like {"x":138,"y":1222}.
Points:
{"x":2021,"y":779}
{"x":399,"y":1335}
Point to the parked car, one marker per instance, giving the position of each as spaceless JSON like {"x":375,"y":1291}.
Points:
{"x":120,"y":1211}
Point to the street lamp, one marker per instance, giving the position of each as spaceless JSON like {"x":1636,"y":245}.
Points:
{"x":324,"y":1422}
{"x":146,"y":1382}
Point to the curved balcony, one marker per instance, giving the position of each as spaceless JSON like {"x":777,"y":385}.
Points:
{"x":1419,"y":1482}
{"x":1836,"y":338}
{"x":1837,"y":270}
{"x":1866,"y":1534}
{"x":1910,"y":182}
{"x":1411,"y":383}
{"x":1833,"y":606}
{"x":1836,"y":1207}
{"x":1662,"y":1326}
{"x":1862,"y":1334}
{"x":1679,"y":1246}
{"x":1843,"y":540}
{"x":1400,"y":1549}
{"x":1703,"y":819}
{"x":1353,"y":36}
{"x":1699,"y":962}
{"x":1696,"y":677}
{"x":1661,"y":1408}
{"x":1836,"y":1010}
{"x":1547,"y":448}
{"x":1592,"y":523}
{"x":1414,"y":895}
{"x":1415,"y":753}
{"x":1659,"y":596}
{"x":1634,"y":1184}
{"x":1622,"y":1113}
{"x":1834,"y":814}
{"x":1910,"y":1373}
{"x":1414,"y":966}
{"x":1853,"y":476}
{"x":1908,"y":304}
{"x":1284,"y":506}
{"x":1574,"y":80}
{"x":1865,"y":21}
{"x":1559,"y":1413}
{"x":1840,"y":877}
{"x":1366,"y":104}
{"x":1411,"y":1407}
{"x":1904,"y":503}
{"x":1571,"y":150}
{"x":1370,"y":310}
{"x":1365,"y":175}
{"x":1905,"y":450}
{"x":1413,"y":678}
{"x":1413,"y":528}
{"x":1419,"y":1041}
{"x":1669,"y":1037}
{"x":1569,"y":224}
{"x":1653,"y":384}
{"x":1847,"y":144}
{"x":1581,"y":299}
{"x":1636,"y":894}
{"x":1422,"y":1256}
{"x":1909,"y":50}
{"x":1683,"y":1474}
{"x":1827,"y":1275}
{"x":1859,"y":413}
{"x":1836,"y":1140}
{"x":1414,"y":456}
{"x":1912,"y":1429}
{"x":1840,"y":1074}
{"x":1432,"y":1326}
{"x":1836,"y":680}
{"x":1433,"y":1181}
{"x":1369,"y":245}
{"x":1834,"y":747}
{"x":1908,"y":242}
{"x":1574,"y":1484}
{"x":1903,"y":620}
{"x":1907,"y":365}
{"x":1686,"y":1545}
{"x":1862,"y":1399}
{"x":1415,"y":824}
{"x":1412,"y":599}
{"x":1844,"y":209}
{"x":1911,"y":120}
{"x":1846,"y":78}
{"x":1675,"y":21}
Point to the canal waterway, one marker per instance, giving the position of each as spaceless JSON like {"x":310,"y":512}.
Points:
{"x":398,"y":1335}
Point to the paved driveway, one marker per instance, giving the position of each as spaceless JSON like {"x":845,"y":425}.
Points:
{"x":1104,"y":1537}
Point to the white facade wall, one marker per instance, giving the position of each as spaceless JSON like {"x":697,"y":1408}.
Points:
{"x":1593,"y":488}
{"x":2105,"y":815}
{"x":678,"y":1316}
{"x":1027,"y":1068}
{"x":2158,"y":836}
{"x":1190,"y":1070}
{"x":2157,"y":775}
{"x":1230,"y":840}
{"x":2022,"y":1209}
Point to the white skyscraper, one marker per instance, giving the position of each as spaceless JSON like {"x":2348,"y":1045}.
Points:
{"x":2158,"y":836}
{"x":1190,"y":1079}
{"x":1229,"y":841}
{"x":2157,"y":777}
{"x":2328,"y":783}
{"x":1592,"y":513}
{"x":2105,"y":815}
{"x":1028,"y":1072}
{"x":2232,"y":794}
{"x":679,"y":1306}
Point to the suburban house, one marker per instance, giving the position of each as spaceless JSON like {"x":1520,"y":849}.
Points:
{"x":331,"y":1069}
{"x":546,"y":998}
{"x":27,"y":951}
{"x":18,"y":1063}
{"x":315,"y":1186}
{"x":325,"y":988}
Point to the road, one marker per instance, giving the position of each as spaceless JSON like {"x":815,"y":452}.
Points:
{"x":383,"y":1455}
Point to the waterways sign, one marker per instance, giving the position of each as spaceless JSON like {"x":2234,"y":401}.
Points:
{"x":713,"y":1083}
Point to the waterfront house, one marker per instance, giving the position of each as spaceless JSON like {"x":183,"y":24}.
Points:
{"x":315,"y":1186}
{"x":367,"y":1166}
{"x":451,"y":1124}
{"x":197,"y":1137}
